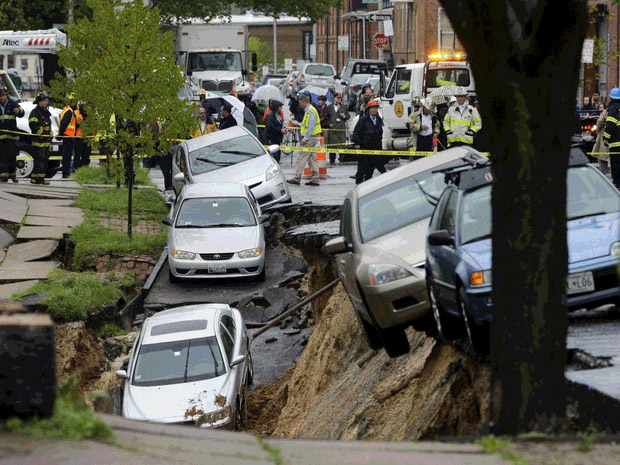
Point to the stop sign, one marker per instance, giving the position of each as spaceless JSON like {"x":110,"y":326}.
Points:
{"x":380,"y":40}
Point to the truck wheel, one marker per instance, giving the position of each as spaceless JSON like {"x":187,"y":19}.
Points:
{"x":24,"y":167}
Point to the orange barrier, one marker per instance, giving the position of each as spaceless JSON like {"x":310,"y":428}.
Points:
{"x":321,"y":158}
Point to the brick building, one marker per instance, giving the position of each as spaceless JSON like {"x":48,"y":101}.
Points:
{"x":416,"y":32}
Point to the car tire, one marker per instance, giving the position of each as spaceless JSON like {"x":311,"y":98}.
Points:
{"x":250,"y":364}
{"x":172,"y":278}
{"x":371,"y":333}
{"x":445,"y":329}
{"x":260,"y":277}
{"x":426,"y":324}
{"x":395,"y":341}
{"x":241,"y":412}
{"x":477,"y":336}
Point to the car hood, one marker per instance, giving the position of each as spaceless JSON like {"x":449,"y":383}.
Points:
{"x":592,"y":237}
{"x":173,"y":403}
{"x":406,"y":243}
{"x":215,"y":240}
{"x":247,"y":172}
{"x":221,"y":75}
{"x":481,"y":252}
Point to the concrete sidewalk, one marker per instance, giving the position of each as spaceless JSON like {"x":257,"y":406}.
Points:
{"x":153,"y":444}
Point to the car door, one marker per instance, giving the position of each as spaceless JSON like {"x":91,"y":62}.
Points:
{"x":345,"y":262}
{"x":444,"y":258}
{"x":229,"y":332}
{"x":396,"y":102}
{"x":179,"y":165}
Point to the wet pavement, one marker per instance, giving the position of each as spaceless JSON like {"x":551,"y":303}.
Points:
{"x":600,"y":338}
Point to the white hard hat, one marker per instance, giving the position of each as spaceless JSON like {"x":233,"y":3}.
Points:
{"x":429,"y":104}
{"x":452,"y":99}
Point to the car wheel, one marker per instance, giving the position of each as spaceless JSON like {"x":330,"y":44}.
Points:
{"x":477,"y":335}
{"x":24,"y":168}
{"x":172,"y":278}
{"x":444,"y":328}
{"x":241,"y":412}
{"x":426,"y":324}
{"x":369,"y":329}
{"x":395,"y":341}
{"x":250,"y":365}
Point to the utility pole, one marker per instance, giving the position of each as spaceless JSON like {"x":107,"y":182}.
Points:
{"x":70,"y":12}
{"x":275,"y":45}
{"x":379,"y":11}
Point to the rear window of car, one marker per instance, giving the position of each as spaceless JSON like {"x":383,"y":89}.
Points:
{"x":319,"y":70}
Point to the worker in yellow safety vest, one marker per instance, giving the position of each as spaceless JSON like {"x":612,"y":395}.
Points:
{"x":69,"y":128}
{"x":462,"y":121}
{"x":310,"y":130}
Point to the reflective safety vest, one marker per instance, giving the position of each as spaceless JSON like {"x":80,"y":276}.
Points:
{"x":73,"y":129}
{"x":306,"y":122}
{"x":461,"y":127}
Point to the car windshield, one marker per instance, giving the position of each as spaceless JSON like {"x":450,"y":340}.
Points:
{"x":319,"y":70}
{"x":215,"y":213}
{"x":207,"y":61}
{"x":589,"y":194}
{"x":476,"y":215}
{"x":360,"y":78}
{"x":224,"y":153}
{"x":447,"y":77}
{"x":178,"y":362}
{"x":400,"y":204}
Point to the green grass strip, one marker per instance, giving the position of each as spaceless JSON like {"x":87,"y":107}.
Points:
{"x":99,"y":175}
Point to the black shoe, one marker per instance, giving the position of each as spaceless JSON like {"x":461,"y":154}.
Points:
{"x":352,"y":177}
{"x":293,"y":181}
{"x":14,"y":179}
{"x":65,"y":176}
{"x":312,"y":183}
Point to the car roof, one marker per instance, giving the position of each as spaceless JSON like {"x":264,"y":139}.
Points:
{"x":214,"y":189}
{"x":217,"y":136}
{"x":182,"y":323}
{"x":413,"y":168}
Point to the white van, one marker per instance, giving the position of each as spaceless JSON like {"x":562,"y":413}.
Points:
{"x":419,"y":80}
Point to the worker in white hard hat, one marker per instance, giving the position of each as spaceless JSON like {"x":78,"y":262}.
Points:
{"x":462,"y":122}
{"x":424,"y":126}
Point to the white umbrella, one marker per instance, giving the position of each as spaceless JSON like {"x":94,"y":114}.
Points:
{"x":443,"y":94}
{"x":267,"y":93}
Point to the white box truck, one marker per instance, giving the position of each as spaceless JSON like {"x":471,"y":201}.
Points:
{"x":215,"y":57}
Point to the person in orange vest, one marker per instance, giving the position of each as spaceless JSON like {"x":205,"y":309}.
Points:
{"x":69,"y":128}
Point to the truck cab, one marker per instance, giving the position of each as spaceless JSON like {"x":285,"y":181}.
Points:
{"x":420,"y":80}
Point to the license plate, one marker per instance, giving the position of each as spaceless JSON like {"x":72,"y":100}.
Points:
{"x":216,"y":269}
{"x":579,"y":282}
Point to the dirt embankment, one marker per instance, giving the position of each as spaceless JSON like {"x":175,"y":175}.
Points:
{"x":341,"y":389}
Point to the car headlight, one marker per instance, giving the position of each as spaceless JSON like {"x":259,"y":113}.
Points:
{"x":381,"y":274}
{"x":183,"y":255}
{"x":478,"y":278}
{"x":615,"y":249}
{"x":272,"y":172}
{"x":211,"y":418}
{"x":250,"y":253}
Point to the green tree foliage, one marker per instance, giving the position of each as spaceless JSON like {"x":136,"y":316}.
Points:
{"x":37,"y":14}
{"x":121,"y":63}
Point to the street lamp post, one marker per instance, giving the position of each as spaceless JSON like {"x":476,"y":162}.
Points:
{"x":275,"y":45}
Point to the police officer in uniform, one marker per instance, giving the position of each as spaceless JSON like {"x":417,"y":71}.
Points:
{"x":40,"y":123}
{"x":9,"y":112}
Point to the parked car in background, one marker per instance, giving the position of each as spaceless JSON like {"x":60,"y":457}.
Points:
{"x":459,"y":249}
{"x":216,"y":230}
{"x":353,"y":88}
{"x":267,"y":77}
{"x":287,"y":86}
{"x":380,"y":251}
{"x":356,"y":66}
{"x":231,"y":155}
{"x":316,"y":74}
{"x":190,"y":365}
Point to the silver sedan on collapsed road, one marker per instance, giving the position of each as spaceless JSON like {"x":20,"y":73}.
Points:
{"x":190,"y":365}
{"x":216,"y":230}
{"x":380,"y":252}
{"x":231,"y":155}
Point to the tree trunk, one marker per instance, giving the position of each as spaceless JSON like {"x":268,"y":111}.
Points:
{"x":129,"y":175}
{"x":525,"y":59}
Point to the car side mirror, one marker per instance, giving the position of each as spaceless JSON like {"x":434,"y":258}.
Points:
{"x":254,"y":65}
{"x":167,"y":221}
{"x":189,"y":73}
{"x":244,"y":72}
{"x":441,"y":237}
{"x":273,"y":149}
{"x":179,"y":177}
{"x":263,"y":219}
{"x":122,"y":374}
{"x":336,"y":246}
{"x":344,"y":83}
{"x":237,"y":360}
{"x":336,"y":76}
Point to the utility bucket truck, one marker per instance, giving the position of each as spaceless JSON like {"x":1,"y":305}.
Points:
{"x":418,"y":80}
{"x":216,"y":57}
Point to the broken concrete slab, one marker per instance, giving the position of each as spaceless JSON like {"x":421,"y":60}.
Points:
{"x":56,"y":212}
{"x":5,"y":239}
{"x":43,"y":232}
{"x":8,"y":290}
{"x":18,"y":271}
{"x":34,"y":250}
{"x":50,"y":202}
{"x":51,"y":221}
{"x":40,"y":192}
{"x":12,"y":212}
{"x":13,"y":198}
{"x":2,"y":255}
